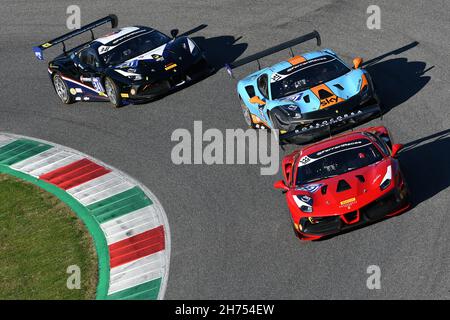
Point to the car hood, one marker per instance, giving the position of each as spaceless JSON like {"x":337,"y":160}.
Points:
{"x":175,"y":53}
{"x":326,"y":94}
{"x":346,"y":192}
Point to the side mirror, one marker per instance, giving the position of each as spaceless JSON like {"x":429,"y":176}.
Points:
{"x":174,"y":33}
{"x":281,"y":185}
{"x":357,"y":62}
{"x":396,"y":149}
{"x":257,"y":100}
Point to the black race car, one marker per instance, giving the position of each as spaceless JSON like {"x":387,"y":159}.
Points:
{"x":130,"y":64}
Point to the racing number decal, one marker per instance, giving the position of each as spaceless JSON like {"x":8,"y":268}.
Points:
{"x":97,"y":84}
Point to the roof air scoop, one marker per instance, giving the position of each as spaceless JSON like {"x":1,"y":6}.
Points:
{"x":342,"y":186}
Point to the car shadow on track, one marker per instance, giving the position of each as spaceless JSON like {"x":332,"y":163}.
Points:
{"x":397,"y":80}
{"x":221,"y":50}
{"x":218,"y":50}
{"x":425,"y":164}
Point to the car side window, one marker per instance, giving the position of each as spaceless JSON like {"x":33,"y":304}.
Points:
{"x":382,"y":144}
{"x":263,"y":85}
{"x":89,"y":58}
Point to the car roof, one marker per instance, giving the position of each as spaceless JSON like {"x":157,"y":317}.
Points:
{"x":290,"y":62}
{"x":116,"y":34}
{"x":333,"y":141}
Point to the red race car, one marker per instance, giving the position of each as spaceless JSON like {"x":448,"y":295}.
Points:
{"x":343,"y":182}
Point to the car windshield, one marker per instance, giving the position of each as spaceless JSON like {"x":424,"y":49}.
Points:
{"x":134,"y":47}
{"x":306,"y":75}
{"x":337,"y":160}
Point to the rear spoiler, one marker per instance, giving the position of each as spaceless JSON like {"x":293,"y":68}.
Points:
{"x":38,"y":50}
{"x":282,"y":46}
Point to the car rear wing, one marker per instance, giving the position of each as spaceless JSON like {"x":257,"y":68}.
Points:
{"x":38,"y":50}
{"x":329,"y":127}
{"x":282,"y":46}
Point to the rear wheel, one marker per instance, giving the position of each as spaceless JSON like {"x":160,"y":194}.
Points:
{"x":61,"y":88}
{"x":113,"y":93}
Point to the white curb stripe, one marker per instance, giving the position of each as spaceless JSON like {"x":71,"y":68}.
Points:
{"x":137,"y":272}
{"x":107,"y":190}
{"x":46,"y":161}
{"x":94,"y":183}
{"x":131,"y":224}
{"x":100,"y":188}
{"x":5,"y":140}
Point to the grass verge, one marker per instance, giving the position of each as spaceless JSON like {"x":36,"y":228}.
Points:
{"x":40,"y":237}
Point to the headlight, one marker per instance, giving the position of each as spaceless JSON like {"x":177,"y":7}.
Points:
{"x":304,"y":202}
{"x":386,"y":183}
{"x":191,"y":47}
{"x":135,"y":76}
{"x":293,"y":111}
{"x":386,"y":179}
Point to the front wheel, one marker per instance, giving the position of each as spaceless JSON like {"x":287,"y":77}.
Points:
{"x":113,"y":93}
{"x":61,"y":88}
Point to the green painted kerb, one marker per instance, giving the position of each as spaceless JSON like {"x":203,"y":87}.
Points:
{"x":93,"y":227}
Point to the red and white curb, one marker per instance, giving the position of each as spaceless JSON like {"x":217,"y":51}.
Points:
{"x":133,"y":223}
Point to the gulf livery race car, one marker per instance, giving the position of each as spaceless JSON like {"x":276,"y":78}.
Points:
{"x":343,"y":182}
{"x":128,"y":65}
{"x":308,"y":96}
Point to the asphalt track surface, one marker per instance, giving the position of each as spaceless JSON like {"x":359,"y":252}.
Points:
{"x":231,"y":231}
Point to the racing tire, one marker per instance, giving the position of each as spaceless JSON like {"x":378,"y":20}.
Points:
{"x":113,"y":93}
{"x":62,"y":90}
{"x":247,"y":115}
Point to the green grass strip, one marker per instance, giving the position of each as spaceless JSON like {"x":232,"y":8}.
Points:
{"x":92,"y":225}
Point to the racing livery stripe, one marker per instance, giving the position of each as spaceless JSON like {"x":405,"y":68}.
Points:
{"x":129,"y":228}
{"x":81,"y":84}
{"x":296,"y":60}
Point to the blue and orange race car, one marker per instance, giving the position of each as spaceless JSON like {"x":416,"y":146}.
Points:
{"x":307,"y":97}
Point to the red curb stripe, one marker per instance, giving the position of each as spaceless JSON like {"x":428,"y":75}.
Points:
{"x":136,"y":247}
{"x":74,"y":174}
